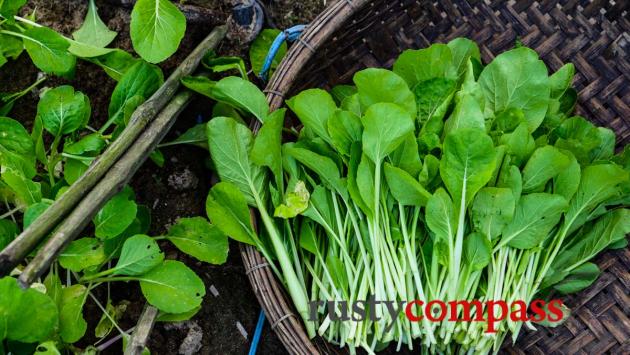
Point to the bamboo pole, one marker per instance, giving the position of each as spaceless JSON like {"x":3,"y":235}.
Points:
{"x":140,"y":335}
{"x":115,"y":179}
{"x":19,"y":248}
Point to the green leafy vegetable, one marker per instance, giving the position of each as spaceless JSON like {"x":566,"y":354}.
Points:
{"x":172,"y":287}
{"x":93,"y":31}
{"x":196,"y":237}
{"x":156,"y":29}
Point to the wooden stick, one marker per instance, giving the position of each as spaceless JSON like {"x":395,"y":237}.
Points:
{"x":15,"y":252}
{"x":138,"y":340}
{"x":115,"y":179}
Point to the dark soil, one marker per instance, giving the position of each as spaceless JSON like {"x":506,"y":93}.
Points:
{"x":179,"y":189}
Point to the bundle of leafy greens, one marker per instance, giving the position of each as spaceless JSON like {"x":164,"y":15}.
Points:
{"x":442,"y":179}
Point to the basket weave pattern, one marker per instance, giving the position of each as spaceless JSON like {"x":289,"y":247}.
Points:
{"x":592,"y":34}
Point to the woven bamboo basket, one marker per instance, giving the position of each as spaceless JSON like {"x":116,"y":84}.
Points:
{"x":351,"y":35}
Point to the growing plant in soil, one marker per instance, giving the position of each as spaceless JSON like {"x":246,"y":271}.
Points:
{"x":39,"y":167}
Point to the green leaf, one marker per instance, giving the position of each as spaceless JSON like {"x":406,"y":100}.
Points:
{"x":54,"y":289}
{"x":227,"y":209}
{"x":82,"y":254}
{"x":47,"y":348}
{"x":117,"y":214}
{"x":260,"y":47}
{"x":341,"y":92}
{"x":606,"y":147}
{"x":337,"y":272}
{"x":599,"y":184}
{"x":578,"y":279}
{"x":105,"y":325}
{"x":139,"y":255}
{"x":477,"y":251}
{"x":579,"y":136}
{"x":545,"y":164}
{"x":230,"y":144}
{"x":157,"y":158}
{"x":320,"y":207}
{"x":344,"y":129}
{"x":567,"y":181}
{"x":406,"y":156}
{"x":26,"y":191}
{"x":63,"y":110}
{"x":352,"y":104}
{"x":93,"y":31}
{"x":16,"y":145}
{"x":417,"y":65}
{"x":325,"y":167}
{"x":221,"y":64}
{"x":467,"y":164}
{"x":441,"y":220}
{"x":177,"y":317}
{"x":308,"y":241}
{"x":383,"y":86}
{"x":520,"y":144}
{"x":467,"y":114}
{"x":157,"y":27}
{"x":462,"y":51}
{"x":195,"y":135}
{"x":314,"y":108}
{"x":72,"y":325}
{"x":91,"y":144}
{"x":566,"y":315}
{"x":10,"y":8}
{"x":234,"y":91}
{"x":365,"y":183}
{"x":32,"y":315}
{"x":172,"y":287}
{"x":34,"y":211}
{"x":385,"y":127}
{"x":535,"y":216}
{"x":267,"y":148}
{"x":115,"y":63}
{"x":84,"y":50}
{"x":492,"y":210}
{"x":561,"y":80}
{"x":73,"y":169}
{"x":11,"y":46}
{"x":200,"y":239}
{"x":222,"y":109}
{"x":48,"y":50}
{"x":295,"y":202}
{"x":517,"y":79}
{"x":609,"y":229}
{"x":429,"y":176}
{"x":356,"y":156}
{"x":405,"y":189}
{"x":8,"y":232}
{"x":141,"y":80}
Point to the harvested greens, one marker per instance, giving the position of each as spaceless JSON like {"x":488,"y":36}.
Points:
{"x":442,"y":179}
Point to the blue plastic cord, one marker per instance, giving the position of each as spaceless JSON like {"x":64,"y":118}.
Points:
{"x":289,"y":35}
{"x":257,"y":333}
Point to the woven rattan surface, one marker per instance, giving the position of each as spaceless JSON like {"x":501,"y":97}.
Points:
{"x":592,"y":34}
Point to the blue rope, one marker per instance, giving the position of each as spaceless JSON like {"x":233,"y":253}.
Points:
{"x":289,"y":35}
{"x":257,"y":333}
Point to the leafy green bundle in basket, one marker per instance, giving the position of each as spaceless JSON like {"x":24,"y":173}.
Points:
{"x":441,"y":179}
